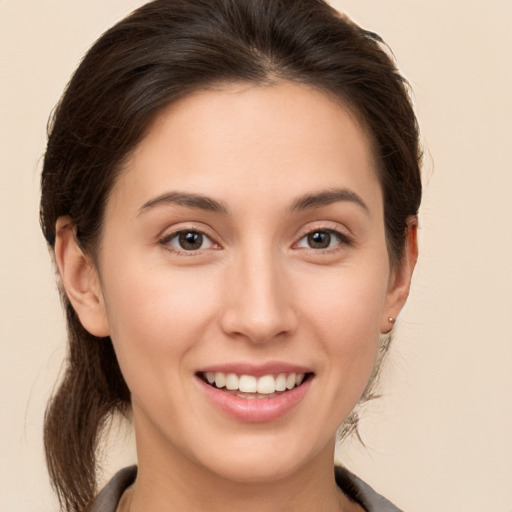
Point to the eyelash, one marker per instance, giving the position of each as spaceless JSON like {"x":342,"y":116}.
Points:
{"x":342,"y":240}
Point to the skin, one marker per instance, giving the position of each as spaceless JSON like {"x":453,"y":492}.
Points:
{"x":255,"y":291}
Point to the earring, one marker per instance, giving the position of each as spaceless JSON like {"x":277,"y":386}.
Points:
{"x":391,"y":320}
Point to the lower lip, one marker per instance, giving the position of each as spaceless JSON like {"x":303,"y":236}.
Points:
{"x":256,"y":410}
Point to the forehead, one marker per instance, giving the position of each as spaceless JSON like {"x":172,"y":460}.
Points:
{"x":252,"y":139}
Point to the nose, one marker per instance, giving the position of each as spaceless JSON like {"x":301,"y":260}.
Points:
{"x":258,"y":301}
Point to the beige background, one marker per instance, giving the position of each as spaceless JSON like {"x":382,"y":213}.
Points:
{"x":440,"y":439}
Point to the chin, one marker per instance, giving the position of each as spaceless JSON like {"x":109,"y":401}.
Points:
{"x":263,"y":460}
{"x":256,"y":470}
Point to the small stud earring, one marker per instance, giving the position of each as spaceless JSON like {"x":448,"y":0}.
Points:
{"x":391,"y":320}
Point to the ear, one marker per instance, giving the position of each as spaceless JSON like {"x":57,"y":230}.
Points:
{"x":80,"y":280}
{"x":400,"y":278}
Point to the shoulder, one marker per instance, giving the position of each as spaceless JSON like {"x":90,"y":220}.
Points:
{"x":108,"y":499}
{"x":361,"y":492}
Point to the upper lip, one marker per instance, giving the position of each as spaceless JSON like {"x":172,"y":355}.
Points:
{"x":257,"y":370}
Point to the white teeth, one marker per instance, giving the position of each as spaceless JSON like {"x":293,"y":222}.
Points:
{"x":231,"y":381}
{"x":248,"y":384}
{"x":220,"y":379}
{"x":290,"y":381}
{"x":264,"y":385}
{"x":281,"y":382}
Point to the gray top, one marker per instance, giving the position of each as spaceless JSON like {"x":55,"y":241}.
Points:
{"x":357,"y":490}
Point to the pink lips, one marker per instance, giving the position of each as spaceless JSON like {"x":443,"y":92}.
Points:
{"x":255,"y":410}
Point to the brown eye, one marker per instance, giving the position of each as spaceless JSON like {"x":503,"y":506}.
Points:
{"x":322,"y":239}
{"x":319,"y":240}
{"x":189,"y":241}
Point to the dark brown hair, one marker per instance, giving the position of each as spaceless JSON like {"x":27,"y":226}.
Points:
{"x":162,"y":52}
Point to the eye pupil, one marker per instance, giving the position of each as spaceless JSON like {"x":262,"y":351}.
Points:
{"x":319,"y":239}
{"x":190,"y":240}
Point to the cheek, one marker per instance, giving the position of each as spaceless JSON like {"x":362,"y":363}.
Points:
{"x":345,"y":311}
{"x":347,"y":303}
{"x":154,"y":317}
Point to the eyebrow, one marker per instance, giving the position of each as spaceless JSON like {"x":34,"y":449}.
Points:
{"x":314,"y":200}
{"x":186,"y":199}
{"x":327,"y":197}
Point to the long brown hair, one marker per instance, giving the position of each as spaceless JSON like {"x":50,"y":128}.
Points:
{"x":158,"y":54}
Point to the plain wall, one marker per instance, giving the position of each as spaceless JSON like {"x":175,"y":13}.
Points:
{"x":441,"y":437}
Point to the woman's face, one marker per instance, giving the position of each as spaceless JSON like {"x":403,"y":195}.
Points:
{"x":245,"y":243}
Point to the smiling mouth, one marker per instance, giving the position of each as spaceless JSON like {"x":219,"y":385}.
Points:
{"x":249,"y":386}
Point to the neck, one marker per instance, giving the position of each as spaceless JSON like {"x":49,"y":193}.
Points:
{"x":171,"y":481}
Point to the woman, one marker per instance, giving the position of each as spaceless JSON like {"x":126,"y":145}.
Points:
{"x":230,"y":192}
